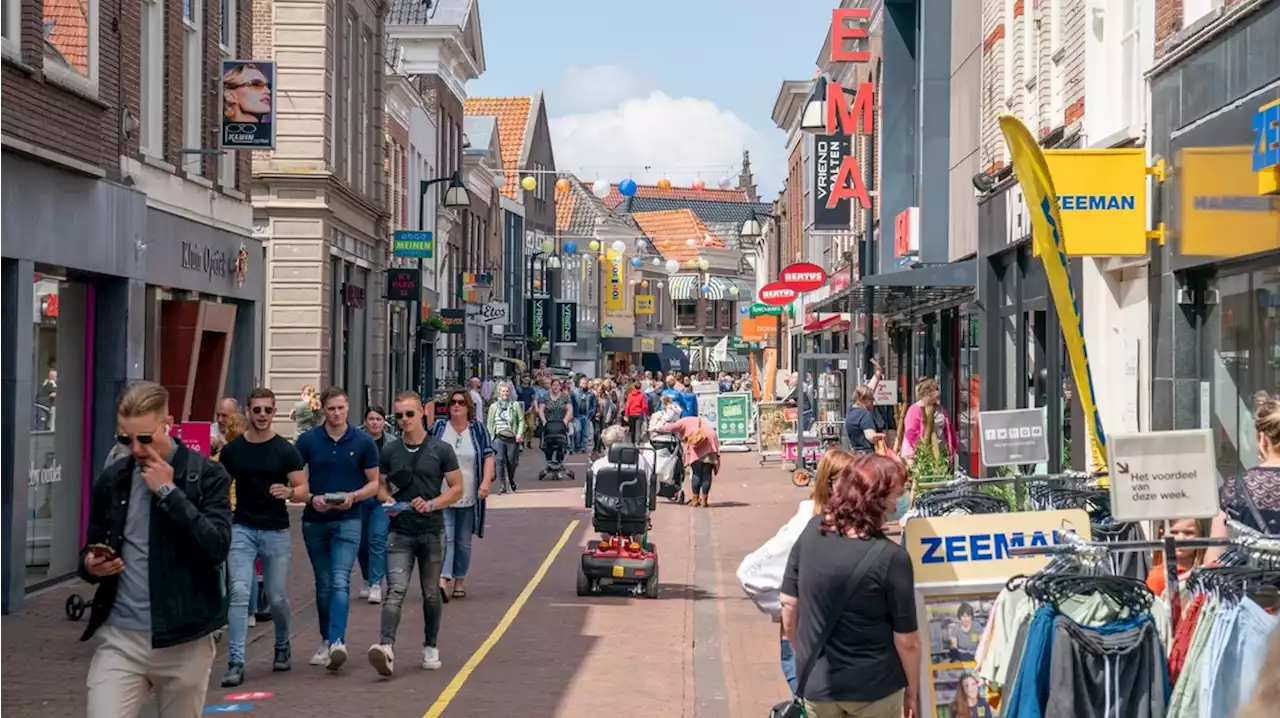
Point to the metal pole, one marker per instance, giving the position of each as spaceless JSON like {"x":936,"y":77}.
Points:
{"x":548,"y":275}
{"x":418,"y":377}
{"x":777,"y":260}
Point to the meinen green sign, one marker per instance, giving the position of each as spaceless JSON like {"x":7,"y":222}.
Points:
{"x":733,"y":416}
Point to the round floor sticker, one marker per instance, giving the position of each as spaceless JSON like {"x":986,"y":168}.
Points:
{"x":255,"y":696}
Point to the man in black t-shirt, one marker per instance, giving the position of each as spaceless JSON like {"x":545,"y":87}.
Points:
{"x":267,"y":471}
{"x":420,"y":474}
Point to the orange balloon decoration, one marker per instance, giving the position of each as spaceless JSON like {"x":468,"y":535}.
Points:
{"x":562,"y":185}
{"x":644,"y":282}
{"x":664,"y":184}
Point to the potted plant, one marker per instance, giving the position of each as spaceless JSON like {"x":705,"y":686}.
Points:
{"x":536,"y":343}
{"x":432,"y":327}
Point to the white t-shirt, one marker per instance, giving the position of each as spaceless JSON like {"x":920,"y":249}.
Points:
{"x":466,"y":453}
{"x":478,"y":400}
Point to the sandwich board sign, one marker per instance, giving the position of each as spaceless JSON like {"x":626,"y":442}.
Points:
{"x":1163,"y":475}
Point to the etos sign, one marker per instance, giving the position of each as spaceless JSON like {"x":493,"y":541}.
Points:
{"x":777,"y":294}
{"x":803,"y":277}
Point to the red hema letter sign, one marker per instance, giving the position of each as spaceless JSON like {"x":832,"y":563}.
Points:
{"x":840,"y":114}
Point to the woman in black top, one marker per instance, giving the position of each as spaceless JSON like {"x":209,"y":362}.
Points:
{"x":1253,"y":498}
{"x":862,"y":425}
{"x":870,"y":663}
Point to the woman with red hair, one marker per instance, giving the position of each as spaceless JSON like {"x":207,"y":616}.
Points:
{"x":848,"y":600}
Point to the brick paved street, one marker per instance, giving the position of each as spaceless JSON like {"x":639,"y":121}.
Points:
{"x":700,"y":650}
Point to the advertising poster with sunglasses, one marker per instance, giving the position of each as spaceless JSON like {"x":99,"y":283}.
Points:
{"x":248,"y":105}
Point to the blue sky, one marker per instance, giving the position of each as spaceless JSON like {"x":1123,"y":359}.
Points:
{"x":678,"y":86}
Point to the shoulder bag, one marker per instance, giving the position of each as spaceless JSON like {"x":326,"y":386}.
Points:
{"x":794,"y":708}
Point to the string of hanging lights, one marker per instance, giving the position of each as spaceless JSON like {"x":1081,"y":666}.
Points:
{"x":627,"y":187}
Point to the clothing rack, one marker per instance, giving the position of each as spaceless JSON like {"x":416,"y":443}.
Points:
{"x":960,"y":479}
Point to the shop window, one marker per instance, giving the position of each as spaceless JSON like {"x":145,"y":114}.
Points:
{"x":723,"y":309}
{"x":1245,"y":363}
{"x":56,"y":475}
{"x":686,"y":313}
{"x":709,"y":314}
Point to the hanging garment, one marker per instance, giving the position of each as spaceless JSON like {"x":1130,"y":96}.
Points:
{"x":1113,"y":671}
{"x":1031,"y":686}
{"x":1185,"y":700}
{"x":1182,"y":638}
{"x":1235,"y":657}
{"x":1134,"y":564}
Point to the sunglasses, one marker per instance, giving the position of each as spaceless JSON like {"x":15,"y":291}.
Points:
{"x":264,"y":410}
{"x":252,"y":84}
{"x":143,"y":439}
{"x":405,"y":415}
{"x":457,"y":402}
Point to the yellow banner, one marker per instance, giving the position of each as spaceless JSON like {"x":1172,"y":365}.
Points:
{"x":1222,"y":214}
{"x":1102,"y":195}
{"x":644,"y":304}
{"x":1047,"y":236}
{"x":615,"y":284}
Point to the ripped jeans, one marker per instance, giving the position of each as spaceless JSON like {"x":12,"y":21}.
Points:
{"x":403,"y":550}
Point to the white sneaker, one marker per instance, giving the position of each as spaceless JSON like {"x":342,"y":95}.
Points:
{"x":382,"y":658}
{"x":253,"y":620}
{"x":375,"y":594}
{"x":337,"y":656}
{"x":430,"y":658}
{"x":363,"y":593}
{"x":321,"y":656}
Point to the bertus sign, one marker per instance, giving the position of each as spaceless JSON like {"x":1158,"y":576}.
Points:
{"x":212,"y":262}
{"x":538,"y":310}
{"x":777,"y":294}
{"x":803,"y":277}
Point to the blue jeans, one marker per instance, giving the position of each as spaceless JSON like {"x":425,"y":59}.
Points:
{"x":789,"y":665}
{"x":374,"y":525}
{"x":581,"y":424}
{"x":274,"y":548}
{"x":459,"y":525}
{"x":332,"y":547}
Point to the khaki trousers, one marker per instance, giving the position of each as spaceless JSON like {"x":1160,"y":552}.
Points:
{"x":126,"y":669}
{"x":888,"y":707}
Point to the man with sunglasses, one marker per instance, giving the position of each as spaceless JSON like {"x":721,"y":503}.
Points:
{"x":422,"y":472}
{"x":159,"y":531}
{"x":342,"y":471}
{"x":268,"y":472}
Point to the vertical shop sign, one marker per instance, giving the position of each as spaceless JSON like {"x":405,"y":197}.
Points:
{"x":829,"y":152}
{"x":843,"y":116}
{"x":615,"y":291}
{"x":538,"y":310}
{"x":566,"y":323}
{"x":248,"y":102}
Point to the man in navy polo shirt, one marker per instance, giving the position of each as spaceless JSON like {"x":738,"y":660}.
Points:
{"x":342,"y":470}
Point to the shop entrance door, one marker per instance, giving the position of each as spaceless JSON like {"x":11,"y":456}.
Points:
{"x":822,"y":397}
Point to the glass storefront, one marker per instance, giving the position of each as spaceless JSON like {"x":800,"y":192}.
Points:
{"x":55,"y":484}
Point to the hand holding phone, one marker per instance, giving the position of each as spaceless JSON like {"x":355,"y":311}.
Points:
{"x":396,"y":507}
{"x":101,"y":550}
{"x":336,"y":498}
{"x":101,"y":561}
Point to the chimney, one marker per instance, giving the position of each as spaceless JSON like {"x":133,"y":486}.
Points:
{"x":745,"y":180}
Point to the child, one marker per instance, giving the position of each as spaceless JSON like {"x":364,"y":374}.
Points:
{"x":1187,"y":558}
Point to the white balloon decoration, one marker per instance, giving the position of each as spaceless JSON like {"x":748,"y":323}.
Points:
{"x":660,"y":285}
{"x":619,"y":247}
{"x":657,"y":261}
{"x":726,"y":182}
{"x":691,"y":242}
{"x":600,"y":188}
{"x":673,"y":266}
{"x":499,"y":179}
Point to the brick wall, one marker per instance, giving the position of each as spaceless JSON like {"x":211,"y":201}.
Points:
{"x":40,"y":112}
{"x":994,"y":95}
{"x":793,"y":236}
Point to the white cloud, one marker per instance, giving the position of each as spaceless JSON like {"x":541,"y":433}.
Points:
{"x":647,"y":138}
{"x":587,"y":89}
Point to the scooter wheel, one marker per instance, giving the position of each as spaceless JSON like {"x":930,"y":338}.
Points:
{"x":584,"y":583}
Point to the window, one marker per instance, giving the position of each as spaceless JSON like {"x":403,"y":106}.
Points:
{"x":349,"y":69}
{"x":70,"y":39}
{"x":193,"y":81}
{"x":1132,"y":83}
{"x":228,"y":160}
{"x":363,"y":175}
{"x":686,"y":313}
{"x":724,"y":311}
{"x":12,"y":21}
{"x":151,"y":94}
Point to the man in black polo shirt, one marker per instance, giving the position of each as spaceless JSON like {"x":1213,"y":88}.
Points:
{"x":421,"y":472}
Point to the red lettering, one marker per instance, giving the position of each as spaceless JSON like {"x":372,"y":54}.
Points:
{"x":841,"y":32}
{"x":848,"y":184}
{"x":844,"y":116}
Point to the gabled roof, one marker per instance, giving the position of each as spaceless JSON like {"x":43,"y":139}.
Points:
{"x":516,"y":118}
{"x":707,"y":210}
{"x":735,"y":194}
{"x":670,"y":231}
{"x":459,"y":20}
{"x":579,"y":211}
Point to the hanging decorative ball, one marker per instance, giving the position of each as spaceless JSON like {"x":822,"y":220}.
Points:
{"x":603,"y":259}
{"x":733,"y":291}
{"x":743,"y":310}
{"x":703,"y":264}
{"x":594,"y":245}
{"x":673,"y":266}
{"x":644,"y":282}
{"x":562,"y":184}
{"x":627,"y":187}
{"x":499,"y":179}
{"x":707,"y":241}
{"x":619,"y":246}
{"x":537,"y":284}
{"x":570,"y":247}
{"x":706,"y":289}
{"x":691,"y":243}
{"x":699,"y":185}
{"x":693,"y":264}
{"x":726,"y":182}
{"x":664,"y":184}
{"x":530,"y":183}
{"x":632,"y":282}
{"x":600,"y":188}
{"x":660,"y":285}
{"x":657,"y":261}
{"x":636,"y":261}
{"x":640,"y":243}
{"x":548,"y":245}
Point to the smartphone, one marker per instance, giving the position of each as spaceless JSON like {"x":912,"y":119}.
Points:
{"x":102,"y":551}
{"x":397,"y":507}
{"x":335,"y":499}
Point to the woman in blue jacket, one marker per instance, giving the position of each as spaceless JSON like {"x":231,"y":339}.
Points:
{"x":470,"y":440}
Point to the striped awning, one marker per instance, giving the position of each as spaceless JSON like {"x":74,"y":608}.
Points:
{"x":686,"y":287}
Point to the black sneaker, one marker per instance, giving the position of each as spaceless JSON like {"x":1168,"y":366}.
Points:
{"x":234,"y":676}
{"x":283,"y":660}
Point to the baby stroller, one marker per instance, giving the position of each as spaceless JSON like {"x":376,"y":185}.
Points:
{"x":669,"y":465}
{"x":555,"y":445}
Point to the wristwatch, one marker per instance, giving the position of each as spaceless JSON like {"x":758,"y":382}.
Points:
{"x":164,"y":491}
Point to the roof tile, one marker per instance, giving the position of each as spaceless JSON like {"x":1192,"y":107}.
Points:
{"x":735,"y":194}
{"x":513,"y":116}
{"x":671,"y":230}
{"x":565,"y":201}
{"x":707,"y":210}
{"x":66,"y":31}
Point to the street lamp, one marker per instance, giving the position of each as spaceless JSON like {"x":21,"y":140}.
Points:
{"x":752,"y":230}
{"x":813,"y":118}
{"x":455,"y":197}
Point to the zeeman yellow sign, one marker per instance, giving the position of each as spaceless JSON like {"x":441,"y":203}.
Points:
{"x":1102,"y":195}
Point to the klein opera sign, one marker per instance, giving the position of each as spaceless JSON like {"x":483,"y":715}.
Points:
{"x":777,"y":294}
{"x":803,"y":277}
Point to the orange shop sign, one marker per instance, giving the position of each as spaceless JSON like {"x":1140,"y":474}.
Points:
{"x":757,"y":329}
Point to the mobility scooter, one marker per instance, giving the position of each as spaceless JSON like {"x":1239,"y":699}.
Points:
{"x":555,"y":446}
{"x":621,"y":496}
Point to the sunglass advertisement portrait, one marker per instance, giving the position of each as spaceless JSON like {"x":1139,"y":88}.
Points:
{"x":248,"y":105}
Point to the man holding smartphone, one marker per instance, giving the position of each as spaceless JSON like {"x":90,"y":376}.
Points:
{"x":423,"y":472}
{"x":267,"y":471}
{"x":159,"y":530}
{"x":342,"y":471}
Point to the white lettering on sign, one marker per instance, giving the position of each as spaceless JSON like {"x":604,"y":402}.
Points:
{"x":47,"y":475}
{"x":1163,"y":475}
{"x":776,"y":293}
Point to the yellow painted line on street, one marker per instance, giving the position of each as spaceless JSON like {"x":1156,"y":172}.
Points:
{"x":451,"y":691}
